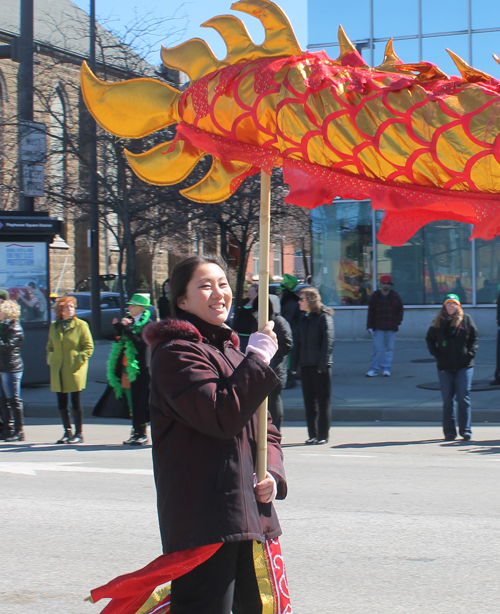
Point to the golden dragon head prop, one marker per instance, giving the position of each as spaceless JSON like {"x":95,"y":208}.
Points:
{"x":420,"y":144}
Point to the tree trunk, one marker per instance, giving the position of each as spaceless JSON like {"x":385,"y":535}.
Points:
{"x":240,"y":277}
{"x":223,"y":243}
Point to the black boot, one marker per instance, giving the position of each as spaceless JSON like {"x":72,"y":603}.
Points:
{"x":17,"y":410}
{"x":67,"y":435}
{"x":7,"y":419}
{"x":78,"y":418}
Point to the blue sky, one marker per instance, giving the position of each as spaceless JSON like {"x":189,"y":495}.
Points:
{"x":195,"y":12}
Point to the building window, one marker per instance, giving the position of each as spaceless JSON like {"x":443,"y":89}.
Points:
{"x":487,"y":270}
{"x":256,"y":259}
{"x":343,"y":252}
{"x":437,"y":260}
{"x":277,"y":260}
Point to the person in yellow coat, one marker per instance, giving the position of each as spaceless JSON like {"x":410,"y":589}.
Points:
{"x":69,"y":348}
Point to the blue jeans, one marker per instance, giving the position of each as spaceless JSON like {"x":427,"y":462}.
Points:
{"x":10,"y":385}
{"x":456,"y":384}
{"x":383,"y":349}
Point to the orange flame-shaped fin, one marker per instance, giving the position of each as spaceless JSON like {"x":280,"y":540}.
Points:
{"x":219,"y":183}
{"x":469,"y":74}
{"x":130,"y":109}
{"x":165,"y":164}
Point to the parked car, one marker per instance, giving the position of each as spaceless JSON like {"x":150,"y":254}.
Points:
{"x":110,"y":309}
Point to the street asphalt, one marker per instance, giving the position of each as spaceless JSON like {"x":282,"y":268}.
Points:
{"x":354,"y":396}
{"x":386,"y":518}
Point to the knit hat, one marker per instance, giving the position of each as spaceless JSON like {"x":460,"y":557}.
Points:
{"x":289,"y":282}
{"x":141,"y":300}
{"x":451,"y":298}
{"x":387,"y":279}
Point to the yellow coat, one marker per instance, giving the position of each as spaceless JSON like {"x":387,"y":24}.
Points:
{"x":68,"y":356}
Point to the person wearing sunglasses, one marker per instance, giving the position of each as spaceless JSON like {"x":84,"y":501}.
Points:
{"x":385,"y":314}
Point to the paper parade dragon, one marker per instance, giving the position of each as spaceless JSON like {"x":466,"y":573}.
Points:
{"x":422,"y":145}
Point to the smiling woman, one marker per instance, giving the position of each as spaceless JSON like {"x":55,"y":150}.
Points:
{"x":204,"y":400}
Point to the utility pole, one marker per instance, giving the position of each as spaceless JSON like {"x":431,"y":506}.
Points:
{"x":94,"y":207}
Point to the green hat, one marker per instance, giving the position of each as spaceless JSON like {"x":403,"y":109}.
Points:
{"x":4,"y":295}
{"x":451,"y":298}
{"x":289,"y":282}
{"x":141,"y":300}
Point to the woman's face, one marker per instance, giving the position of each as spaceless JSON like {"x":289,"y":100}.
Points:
{"x":252,"y":293}
{"x":68,"y":311}
{"x":208,"y":294}
{"x":451,"y":308}
{"x":166,"y":288}
{"x":303,"y":303}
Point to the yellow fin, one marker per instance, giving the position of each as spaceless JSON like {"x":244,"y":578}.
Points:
{"x":469,"y":74}
{"x":425,"y":71}
{"x":496,"y":58}
{"x":194,"y":57}
{"x":345,"y":44}
{"x":160,"y":166}
{"x":216,"y":185}
{"x":280,"y":37}
{"x":240,"y":47}
{"x":130,"y":109}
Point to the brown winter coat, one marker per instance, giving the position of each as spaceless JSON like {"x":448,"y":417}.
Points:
{"x":68,"y":354}
{"x":204,"y":398}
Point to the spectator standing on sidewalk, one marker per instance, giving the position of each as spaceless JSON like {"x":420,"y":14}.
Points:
{"x":244,"y":322}
{"x":313,"y":345}
{"x":69,"y":349}
{"x":128,"y":368}
{"x":496,"y":378}
{"x":452,"y":340}
{"x":164,"y":301}
{"x":385,"y":314}
{"x":11,"y":372}
{"x":279,"y":361}
{"x":290,"y":310}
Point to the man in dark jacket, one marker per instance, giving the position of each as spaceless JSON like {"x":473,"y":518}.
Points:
{"x":496,"y":379}
{"x":385,"y":314}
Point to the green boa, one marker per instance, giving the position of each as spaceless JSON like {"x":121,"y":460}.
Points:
{"x":126,"y":345}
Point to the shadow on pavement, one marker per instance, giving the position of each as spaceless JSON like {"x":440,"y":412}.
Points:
{"x":42,"y":447}
{"x":458,"y":443}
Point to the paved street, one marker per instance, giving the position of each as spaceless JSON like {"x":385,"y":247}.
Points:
{"x":385,"y":519}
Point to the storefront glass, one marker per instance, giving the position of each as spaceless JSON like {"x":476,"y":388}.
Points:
{"x":487,"y":271}
{"x":437,"y":260}
{"x":343,"y":252}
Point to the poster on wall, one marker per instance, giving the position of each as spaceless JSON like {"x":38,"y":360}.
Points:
{"x":23,"y":273}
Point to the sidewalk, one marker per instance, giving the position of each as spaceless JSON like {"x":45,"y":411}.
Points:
{"x":354,"y":396}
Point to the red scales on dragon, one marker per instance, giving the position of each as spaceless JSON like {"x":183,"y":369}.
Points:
{"x":421,"y":145}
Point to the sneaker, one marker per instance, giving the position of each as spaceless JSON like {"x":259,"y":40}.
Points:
{"x":138,"y":440}
{"x":311,"y":441}
{"x":371,"y":373}
{"x":320,"y":442}
{"x":386,"y":373}
{"x":466,"y":437}
{"x":450,"y":438}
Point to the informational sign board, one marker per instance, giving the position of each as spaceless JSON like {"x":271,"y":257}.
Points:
{"x":23,"y":273}
{"x":32,"y":152}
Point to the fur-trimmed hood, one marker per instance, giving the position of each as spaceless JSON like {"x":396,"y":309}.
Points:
{"x":195,"y":330}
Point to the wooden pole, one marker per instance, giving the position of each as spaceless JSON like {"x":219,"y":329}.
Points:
{"x":264,"y":249}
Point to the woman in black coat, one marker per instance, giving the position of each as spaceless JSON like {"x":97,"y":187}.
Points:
{"x":279,"y":362}
{"x":314,"y":338}
{"x":11,"y":372}
{"x":452,"y":340}
{"x":164,"y":301}
{"x":204,"y":399}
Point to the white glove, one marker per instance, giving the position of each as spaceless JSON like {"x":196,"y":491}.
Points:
{"x":263,"y":346}
{"x":370,"y":330}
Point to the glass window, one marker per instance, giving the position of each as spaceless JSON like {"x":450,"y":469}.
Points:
{"x":277,"y":260}
{"x":444,"y":16}
{"x":343,"y":252}
{"x":394,"y":18}
{"x":23,"y":273}
{"x":433,"y":263}
{"x":255,"y":254}
{"x":483,"y":47}
{"x":434,"y":50}
{"x":483,"y":12}
{"x":324,"y":19}
{"x":487,"y":270}
{"x":406,"y":50}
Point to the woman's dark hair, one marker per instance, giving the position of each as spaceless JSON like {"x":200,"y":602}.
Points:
{"x":182,"y":275}
{"x":313,"y":298}
{"x":167,"y":281}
